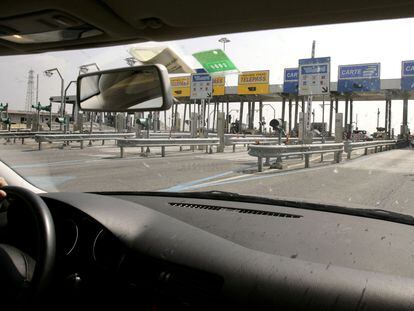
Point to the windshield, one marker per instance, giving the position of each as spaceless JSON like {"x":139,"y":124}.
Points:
{"x":319,"y":114}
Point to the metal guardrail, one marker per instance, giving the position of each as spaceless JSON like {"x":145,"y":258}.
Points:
{"x":164,"y":142}
{"x":351,"y":146}
{"x":279,"y":151}
{"x":233,"y":141}
{"x":262,"y":140}
{"x":41,"y":138}
{"x":168,"y":134}
{"x":23,"y":135}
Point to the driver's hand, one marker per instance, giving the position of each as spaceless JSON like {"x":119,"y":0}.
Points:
{"x":2,"y":184}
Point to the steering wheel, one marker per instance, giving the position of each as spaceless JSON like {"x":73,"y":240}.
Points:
{"x":24,"y":278}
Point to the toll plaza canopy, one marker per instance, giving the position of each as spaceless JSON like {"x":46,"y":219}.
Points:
{"x":390,"y":90}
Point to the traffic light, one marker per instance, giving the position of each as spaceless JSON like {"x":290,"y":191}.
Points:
{"x":39,"y":107}
{"x":276,"y":124}
{"x":5,"y":120}
{"x":46,"y":108}
{"x":3,"y":107}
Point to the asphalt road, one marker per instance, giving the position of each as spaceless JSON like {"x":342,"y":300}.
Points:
{"x":383,"y":180}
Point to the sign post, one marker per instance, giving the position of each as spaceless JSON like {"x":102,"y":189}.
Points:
{"x":201,"y":88}
{"x":314,"y":79}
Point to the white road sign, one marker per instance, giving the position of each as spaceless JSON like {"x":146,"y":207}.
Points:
{"x":201,"y":86}
{"x":314,"y":76}
{"x":163,"y":55}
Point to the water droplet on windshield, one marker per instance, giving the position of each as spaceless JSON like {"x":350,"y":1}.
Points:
{"x":335,"y":170}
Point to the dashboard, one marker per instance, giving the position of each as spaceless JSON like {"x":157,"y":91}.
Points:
{"x":175,"y":253}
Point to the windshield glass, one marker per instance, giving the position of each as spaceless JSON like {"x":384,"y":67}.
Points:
{"x":318,"y":114}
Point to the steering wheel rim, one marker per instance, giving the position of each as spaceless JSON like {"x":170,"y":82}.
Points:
{"x":46,"y":238}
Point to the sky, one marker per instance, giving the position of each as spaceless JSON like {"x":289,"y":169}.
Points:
{"x":387,"y":42}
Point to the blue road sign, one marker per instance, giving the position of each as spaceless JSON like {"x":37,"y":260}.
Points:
{"x":359,"y":78}
{"x":316,"y":60}
{"x":407,"y":75}
{"x":200,"y":70}
{"x":314,"y":76}
{"x":201,"y":77}
{"x":201,"y":86}
{"x":291,"y":81}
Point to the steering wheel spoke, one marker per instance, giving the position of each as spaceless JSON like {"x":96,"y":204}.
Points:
{"x":23,"y":278}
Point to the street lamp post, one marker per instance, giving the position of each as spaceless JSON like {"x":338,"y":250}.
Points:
{"x":130,"y":61}
{"x":84,"y":69}
{"x":224,"y":40}
{"x":64,"y":101}
{"x":274,"y":110}
{"x":49,"y":73}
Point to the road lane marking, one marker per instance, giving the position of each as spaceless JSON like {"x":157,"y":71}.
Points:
{"x":48,"y":183}
{"x":179,"y":187}
{"x":243,"y":178}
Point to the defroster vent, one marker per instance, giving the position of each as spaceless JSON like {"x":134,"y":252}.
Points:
{"x":234,"y":210}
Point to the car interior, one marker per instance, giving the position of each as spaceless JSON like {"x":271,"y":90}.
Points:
{"x":190,"y":251}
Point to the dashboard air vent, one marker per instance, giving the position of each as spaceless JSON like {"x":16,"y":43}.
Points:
{"x":234,"y":210}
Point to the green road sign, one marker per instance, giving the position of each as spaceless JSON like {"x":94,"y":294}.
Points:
{"x":215,"y":61}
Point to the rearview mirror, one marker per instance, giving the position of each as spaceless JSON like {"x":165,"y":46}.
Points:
{"x":138,"y":88}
